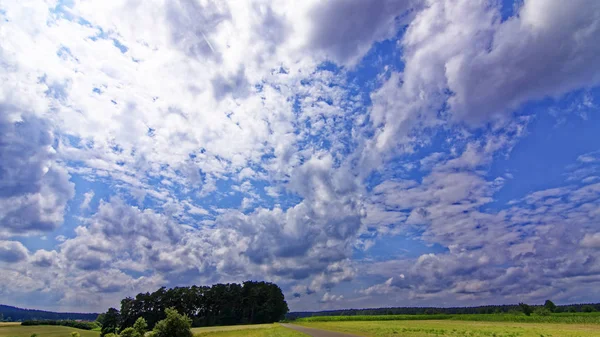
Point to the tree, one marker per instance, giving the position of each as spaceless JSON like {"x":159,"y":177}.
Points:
{"x":527,"y":309}
{"x":175,"y":325}
{"x":550,"y":305}
{"x":100,"y":319}
{"x":112,"y":320}
{"x":140,"y":326}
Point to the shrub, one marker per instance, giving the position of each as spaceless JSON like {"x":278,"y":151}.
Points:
{"x":110,"y":335}
{"x":75,"y":334}
{"x":33,"y":335}
{"x":130,"y":332}
{"x":543,"y":311}
{"x":175,"y":325}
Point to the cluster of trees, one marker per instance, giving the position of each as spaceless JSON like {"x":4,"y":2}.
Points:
{"x":14,"y":314}
{"x":488,"y":309}
{"x":220,"y":304}
{"x":174,"y":324}
{"x":74,"y":324}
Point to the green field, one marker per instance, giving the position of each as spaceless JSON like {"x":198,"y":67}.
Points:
{"x":17,"y":330}
{"x":571,"y":318}
{"x":257,"y":330}
{"x":455,"y":328}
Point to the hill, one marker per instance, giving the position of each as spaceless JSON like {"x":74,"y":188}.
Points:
{"x":14,"y":314}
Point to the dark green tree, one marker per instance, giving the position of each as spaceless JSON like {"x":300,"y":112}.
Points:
{"x":174,"y":325}
{"x":527,"y":309}
{"x":550,"y":305}
{"x":111,"y":322}
{"x":588,"y":308}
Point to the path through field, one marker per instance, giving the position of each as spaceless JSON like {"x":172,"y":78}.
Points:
{"x":317,"y":332}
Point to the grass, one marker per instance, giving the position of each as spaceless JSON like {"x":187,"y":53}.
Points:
{"x":571,"y":318}
{"x":257,"y":330}
{"x":17,"y":330}
{"x":454,"y":328}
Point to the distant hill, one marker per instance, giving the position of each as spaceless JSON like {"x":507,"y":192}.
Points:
{"x":14,"y":314}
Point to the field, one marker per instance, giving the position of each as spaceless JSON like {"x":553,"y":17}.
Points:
{"x":16,"y":330}
{"x":258,"y":330}
{"x":455,"y":328}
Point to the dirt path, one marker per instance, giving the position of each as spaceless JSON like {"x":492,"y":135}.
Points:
{"x":317,"y":332}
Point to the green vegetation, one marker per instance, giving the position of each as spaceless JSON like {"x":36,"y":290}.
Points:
{"x":569,"y":318}
{"x":257,"y":330}
{"x":16,"y":330}
{"x":14,"y":314}
{"x":452,"y":328}
{"x":174,"y":324}
{"x":73,"y":324}
{"x":221,"y":304}
{"x":527,"y":309}
{"x":487,"y":309}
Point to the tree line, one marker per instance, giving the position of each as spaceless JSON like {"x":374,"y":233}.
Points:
{"x":221,"y":304}
{"x":85,"y":325}
{"x":14,"y":314}
{"x":488,"y":309}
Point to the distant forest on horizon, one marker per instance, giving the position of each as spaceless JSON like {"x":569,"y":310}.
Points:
{"x":16,"y":314}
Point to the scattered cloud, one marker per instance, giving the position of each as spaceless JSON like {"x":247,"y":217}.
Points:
{"x":380,"y":158}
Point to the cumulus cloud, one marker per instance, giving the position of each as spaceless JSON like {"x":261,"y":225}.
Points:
{"x":591,"y":240}
{"x":12,"y":251}
{"x":462,"y":54}
{"x":34,"y":187}
{"x":345,"y":30}
{"x":226,"y":149}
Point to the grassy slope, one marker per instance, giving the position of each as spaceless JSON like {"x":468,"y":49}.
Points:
{"x":43,"y":331}
{"x":258,"y":330}
{"x":453,"y":328}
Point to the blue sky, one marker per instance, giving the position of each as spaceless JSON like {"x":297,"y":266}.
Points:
{"x":357,"y":153}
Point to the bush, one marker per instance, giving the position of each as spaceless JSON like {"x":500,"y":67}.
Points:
{"x":130,"y":332}
{"x":175,"y":325}
{"x":110,"y":335}
{"x":543,"y":312}
{"x":75,"y":334}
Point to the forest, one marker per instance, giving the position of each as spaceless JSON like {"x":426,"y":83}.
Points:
{"x":14,"y":314}
{"x":221,"y":304}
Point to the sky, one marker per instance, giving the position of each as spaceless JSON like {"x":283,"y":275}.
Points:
{"x":357,"y":153}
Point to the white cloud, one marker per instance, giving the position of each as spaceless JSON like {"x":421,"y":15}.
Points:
{"x":87,"y":198}
{"x":12,"y":251}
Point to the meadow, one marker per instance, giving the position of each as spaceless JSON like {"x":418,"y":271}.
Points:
{"x":17,"y":330}
{"x":455,"y":328}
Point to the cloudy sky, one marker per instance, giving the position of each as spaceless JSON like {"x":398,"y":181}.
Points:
{"x":357,"y":153}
